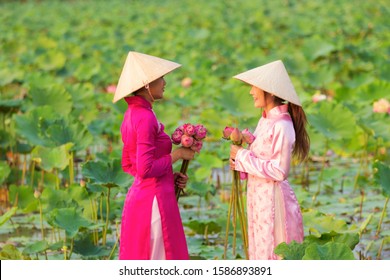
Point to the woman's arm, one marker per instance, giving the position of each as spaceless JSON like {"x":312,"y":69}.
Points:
{"x":147,"y":130}
{"x":278,"y":166}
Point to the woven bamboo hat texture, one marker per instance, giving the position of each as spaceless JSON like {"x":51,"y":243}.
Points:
{"x":272,"y":78}
{"x":139,"y":70}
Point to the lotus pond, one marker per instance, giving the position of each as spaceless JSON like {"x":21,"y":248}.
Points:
{"x":62,"y":187}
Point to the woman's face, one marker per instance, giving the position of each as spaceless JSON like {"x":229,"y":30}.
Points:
{"x":157,"y":88}
{"x":258,"y":97}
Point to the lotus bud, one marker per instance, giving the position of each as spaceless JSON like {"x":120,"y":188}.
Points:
{"x":82,"y":183}
{"x":111,"y":88}
{"x":37,"y":160}
{"x":200,"y":132}
{"x":189,"y":129}
{"x":176,"y":136}
{"x":37,"y":194}
{"x":227,"y":132}
{"x":236,"y":136}
{"x":187,"y":141}
{"x":381,"y":106}
{"x":247,"y":136}
{"x":186,"y":82}
{"x":317,"y":97}
{"x":197,"y":146}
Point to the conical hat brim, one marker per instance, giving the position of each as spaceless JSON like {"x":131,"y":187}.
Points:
{"x":139,"y":70}
{"x":272,"y":78}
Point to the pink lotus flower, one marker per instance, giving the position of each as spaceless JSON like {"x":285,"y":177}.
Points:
{"x":317,"y":97}
{"x":236,"y":136}
{"x":176,"y":136}
{"x":189,"y":136}
{"x":197,"y":146}
{"x":247,"y":136}
{"x":200,"y":132}
{"x":187,"y":141}
{"x":111,"y":88}
{"x":186,"y":82}
{"x":189,"y":129}
{"x":381,"y":106}
{"x":227,"y":132}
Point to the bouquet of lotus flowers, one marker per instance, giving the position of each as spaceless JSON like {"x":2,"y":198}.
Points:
{"x":189,"y":136}
{"x":236,"y":205}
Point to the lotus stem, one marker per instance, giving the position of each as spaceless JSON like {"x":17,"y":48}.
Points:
{"x":183,"y":169}
{"x":71,"y":248}
{"x":94,"y":218}
{"x":234,"y":188}
{"x":378,"y":256}
{"x":361,"y":203}
{"x":228,"y":225}
{"x":242,"y":217}
{"x":107,"y":216}
{"x":32,"y":173}
{"x":24,"y":169}
{"x":382,"y":216}
{"x":116,"y":242}
{"x":65,"y":249}
{"x":71,"y":171}
{"x":41,"y":218}
{"x":57,"y":179}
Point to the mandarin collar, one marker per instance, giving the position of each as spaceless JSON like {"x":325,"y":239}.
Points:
{"x":276,"y":112}
{"x":138,"y":101}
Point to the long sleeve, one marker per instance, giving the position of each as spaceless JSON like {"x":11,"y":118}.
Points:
{"x":278,"y":165}
{"x":147,"y":165}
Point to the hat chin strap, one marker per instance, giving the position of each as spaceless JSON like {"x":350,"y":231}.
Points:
{"x":150,"y":94}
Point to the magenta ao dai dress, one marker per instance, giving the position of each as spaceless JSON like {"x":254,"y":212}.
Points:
{"x":274,"y":214}
{"x":151,"y":225}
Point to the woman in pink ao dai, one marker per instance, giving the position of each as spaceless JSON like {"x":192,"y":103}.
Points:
{"x":274,"y":214}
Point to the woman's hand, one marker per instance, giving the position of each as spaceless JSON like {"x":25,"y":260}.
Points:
{"x":182,"y":153}
{"x":233,"y":153}
{"x":180,"y":179}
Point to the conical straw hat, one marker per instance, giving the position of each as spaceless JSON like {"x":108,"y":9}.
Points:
{"x":272,"y":78}
{"x":139,"y":70}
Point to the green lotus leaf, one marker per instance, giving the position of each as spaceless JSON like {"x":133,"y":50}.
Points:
{"x":334,"y":121}
{"x":316,"y":48}
{"x":36,"y":247}
{"x":86,"y":248}
{"x":382,"y":176}
{"x":5,"y":139}
{"x":54,"y":96}
{"x":350,"y":239}
{"x":8,"y":75}
{"x":321,"y":223}
{"x":7,"y":215}
{"x":24,"y":197}
{"x":8,"y":106}
{"x":329,"y":251}
{"x":199,"y":188}
{"x":239,"y":103}
{"x":373,"y":91}
{"x":69,"y":219}
{"x":5,"y":170}
{"x":10,"y":252}
{"x":64,"y":131}
{"x":33,"y":125}
{"x":291,"y":251}
{"x":108,"y":174}
{"x":83,"y":108}
{"x":200,"y":227}
{"x":52,"y":199}
{"x":51,"y":60}
{"x":53,"y":158}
